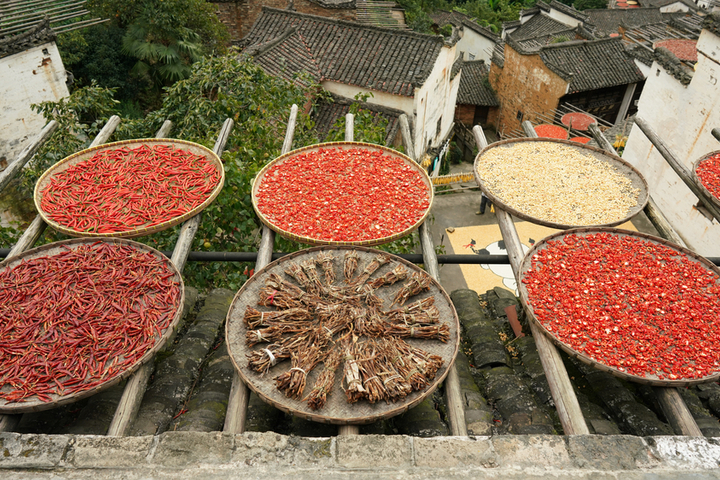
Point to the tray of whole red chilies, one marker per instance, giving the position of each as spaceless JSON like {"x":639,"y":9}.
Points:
{"x":342,"y":193}
{"x":628,"y":303}
{"x":129,"y":188}
{"x":80,"y":315}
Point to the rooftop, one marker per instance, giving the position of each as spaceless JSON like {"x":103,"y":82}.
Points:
{"x":383,"y":59}
{"x":539,"y":26}
{"x":591,"y":65}
{"x":474,"y":86}
{"x":607,"y":21}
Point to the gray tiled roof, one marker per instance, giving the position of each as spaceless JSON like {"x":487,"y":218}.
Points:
{"x":474,"y":88}
{"x":444,"y":17}
{"x":663,"y":3}
{"x":591,"y":65}
{"x":39,"y":34}
{"x":329,"y":111}
{"x":607,"y":21}
{"x":561,"y":7}
{"x":383,"y":59}
{"x":538,"y":42}
{"x":498,"y":54}
{"x":286,"y":56}
{"x":642,"y":54}
{"x":335,"y":3}
{"x":538,"y":26}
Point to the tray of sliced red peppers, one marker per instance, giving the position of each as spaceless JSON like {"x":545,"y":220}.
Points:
{"x":637,"y":306}
{"x":706,"y":173}
{"x":342,"y":193}
{"x":78,"y":316}
{"x":130,"y":188}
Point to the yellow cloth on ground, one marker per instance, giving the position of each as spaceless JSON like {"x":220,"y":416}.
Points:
{"x":485,"y":239}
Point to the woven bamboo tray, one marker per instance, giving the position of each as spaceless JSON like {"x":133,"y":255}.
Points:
{"x":649,"y":379}
{"x":696,"y":179}
{"x":618,"y":163}
{"x":337,"y":410}
{"x":35,"y":405}
{"x":345,"y":146}
{"x":82,"y":155}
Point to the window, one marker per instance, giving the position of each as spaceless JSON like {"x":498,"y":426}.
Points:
{"x":439,"y":126}
{"x":471,"y":56}
{"x":519,"y":115}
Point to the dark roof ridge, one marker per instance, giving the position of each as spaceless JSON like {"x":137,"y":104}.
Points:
{"x":338,"y":5}
{"x":270,"y":44}
{"x":672,"y":65}
{"x":37,"y":35}
{"x":575,"y":43}
{"x":711,"y":23}
{"x":363,"y":26}
{"x":568,"y":10}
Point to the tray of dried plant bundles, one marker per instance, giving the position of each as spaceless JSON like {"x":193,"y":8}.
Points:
{"x":343,"y":335}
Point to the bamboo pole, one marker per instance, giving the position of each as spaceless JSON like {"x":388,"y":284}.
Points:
{"x":672,"y":404}
{"x":456,"y":410}
{"x":137,"y":384}
{"x":236,"y":413}
{"x":27,"y":153}
{"x":32,"y":234}
{"x":676,"y":165}
{"x":566,"y":402}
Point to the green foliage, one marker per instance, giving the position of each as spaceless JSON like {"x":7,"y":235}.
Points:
{"x":73,"y":48}
{"x":590,"y":4}
{"x":368,"y":126}
{"x":560,"y":39}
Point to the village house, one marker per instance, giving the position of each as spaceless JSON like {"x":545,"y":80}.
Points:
{"x":684,"y":119}
{"x":476,"y":42}
{"x":240,"y":15}
{"x":476,"y":105}
{"x":597,"y":76}
{"x":398,"y":69}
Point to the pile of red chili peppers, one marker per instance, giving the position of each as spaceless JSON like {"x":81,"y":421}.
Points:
{"x":708,"y":171}
{"x":551,"y":131}
{"x":122,"y":189}
{"x":628,"y":303}
{"x":343,"y":195}
{"x":73,"y":320}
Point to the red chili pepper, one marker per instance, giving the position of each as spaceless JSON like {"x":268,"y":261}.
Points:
{"x":150,"y":185}
{"x":65,"y":323}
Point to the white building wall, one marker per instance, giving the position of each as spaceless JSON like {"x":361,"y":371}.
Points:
{"x":683,"y":116}
{"x":472,"y":43}
{"x":29,"y":77}
{"x":563,"y":18}
{"x":435,"y":101}
{"x":378,"y":98}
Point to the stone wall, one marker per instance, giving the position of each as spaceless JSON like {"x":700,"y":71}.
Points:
{"x":524,"y":86}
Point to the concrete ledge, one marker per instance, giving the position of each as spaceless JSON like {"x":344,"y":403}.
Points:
{"x":186,"y":455}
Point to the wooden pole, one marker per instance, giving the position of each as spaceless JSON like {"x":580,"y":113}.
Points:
{"x":31,"y":235}
{"x":236,"y":413}
{"x":137,"y":384}
{"x":566,"y":403}
{"x":27,"y":153}
{"x":676,"y":165}
{"x":456,"y":410}
{"x":672,"y":404}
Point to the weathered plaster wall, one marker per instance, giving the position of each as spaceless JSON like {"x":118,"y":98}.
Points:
{"x":524,"y":85}
{"x":472,"y":43}
{"x":379,"y":98}
{"x":683,"y":116}
{"x":435,"y":102}
{"x":32,"y":76}
{"x":563,"y":18}
{"x":240,"y":15}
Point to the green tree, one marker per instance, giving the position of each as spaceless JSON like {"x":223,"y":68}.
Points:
{"x":590,"y":4}
{"x":164,"y":36}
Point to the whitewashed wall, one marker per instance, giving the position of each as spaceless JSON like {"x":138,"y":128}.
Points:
{"x":472,"y":43}
{"x":379,"y":98}
{"x":434,"y":101}
{"x":564,"y":18}
{"x":32,"y":76}
{"x":683,"y":116}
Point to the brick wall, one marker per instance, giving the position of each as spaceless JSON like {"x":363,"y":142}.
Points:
{"x":465,"y":114}
{"x":240,"y":15}
{"x":524,"y":85}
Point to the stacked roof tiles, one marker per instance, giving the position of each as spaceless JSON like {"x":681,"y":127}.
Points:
{"x":474,"y":87}
{"x":381,"y":59}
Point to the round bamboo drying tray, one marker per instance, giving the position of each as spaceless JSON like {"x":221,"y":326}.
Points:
{"x":649,"y":379}
{"x":337,"y":410}
{"x":620,"y":165}
{"x":696,"y":179}
{"x":342,"y":145}
{"x":82,"y":155}
{"x":33,"y":404}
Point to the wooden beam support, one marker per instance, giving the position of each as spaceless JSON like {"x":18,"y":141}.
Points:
{"x":236,"y":413}
{"x":137,"y":384}
{"x":674,"y":162}
{"x":27,"y":153}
